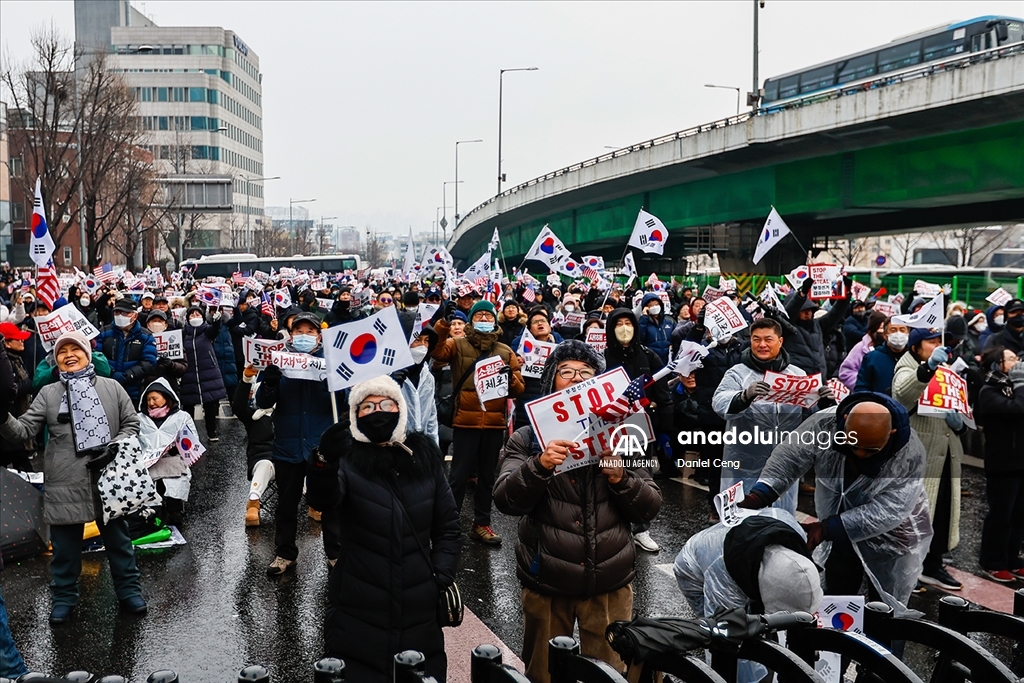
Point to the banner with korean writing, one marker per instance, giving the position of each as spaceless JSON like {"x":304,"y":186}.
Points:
{"x":299,"y":365}
{"x":169,"y":344}
{"x":1000,"y":297}
{"x":946,"y":393}
{"x":64,"y":319}
{"x":257,"y":351}
{"x":826,"y":281}
{"x":793,"y":390}
{"x":722,"y":317}
{"x":887,"y":309}
{"x":596,"y":339}
{"x":490,"y":381}
{"x":534,"y":353}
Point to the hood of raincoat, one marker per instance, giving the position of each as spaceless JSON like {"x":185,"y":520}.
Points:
{"x":900,"y":421}
{"x":162,"y":386}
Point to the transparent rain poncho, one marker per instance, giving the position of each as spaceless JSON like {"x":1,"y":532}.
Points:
{"x":758,"y":419}
{"x":885,"y":517}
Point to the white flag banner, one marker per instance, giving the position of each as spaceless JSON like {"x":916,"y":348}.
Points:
{"x":722,"y":317}
{"x":299,"y":365}
{"x":797,"y":276}
{"x":426,"y":312}
{"x":649,"y":234}
{"x":257,"y":351}
{"x":410,"y":256}
{"x":534,"y":353}
{"x":189,"y":445}
{"x":169,"y":344}
{"x":481,"y":268}
{"x":438,"y":257}
{"x":495,"y":241}
{"x":774,"y":231}
{"x":364,"y":349}
{"x":629,"y":266}
{"x":64,"y":319}
{"x":548,"y":249}
{"x":595,"y":262}
{"x":770,"y":298}
{"x":41,"y":246}
{"x":932,"y":314}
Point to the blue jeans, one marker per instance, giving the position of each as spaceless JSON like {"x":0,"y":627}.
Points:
{"x":11,"y":663}
{"x":66,"y":563}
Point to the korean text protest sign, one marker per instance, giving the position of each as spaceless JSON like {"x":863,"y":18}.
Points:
{"x":999,"y":297}
{"x":727,"y":505}
{"x":257,"y":351}
{"x":169,"y":344}
{"x":793,"y":390}
{"x":946,"y":393}
{"x":596,"y":339}
{"x":64,"y":319}
{"x":826,"y":281}
{"x":299,"y":365}
{"x":722,"y":317}
{"x":490,"y":382}
{"x":534,"y":353}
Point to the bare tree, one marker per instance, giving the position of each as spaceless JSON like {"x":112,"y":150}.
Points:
{"x":849,"y":251}
{"x":376,"y":251}
{"x":974,"y":245}
{"x":903,"y":248}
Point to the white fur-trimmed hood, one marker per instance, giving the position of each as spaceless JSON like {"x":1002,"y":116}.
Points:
{"x":378,"y":386}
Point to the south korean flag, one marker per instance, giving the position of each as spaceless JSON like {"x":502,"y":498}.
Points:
{"x":364,"y":349}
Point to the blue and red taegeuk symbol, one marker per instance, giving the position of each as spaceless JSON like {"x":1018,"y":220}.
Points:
{"x":767,"y":234}
{"x":38,"y":225}
{"x":570,"y":266}
{"x":592,"y":262}
{"x":655,"y":236}
{"x":842,"y":621}
{"x":363,"y":348}
{"x":186,"y":443}
{"x":527,"y":346}
{"x":548,"y":245}
{"x":437,"y":257}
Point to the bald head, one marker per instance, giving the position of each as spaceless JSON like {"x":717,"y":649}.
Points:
{"x":868,"y":428}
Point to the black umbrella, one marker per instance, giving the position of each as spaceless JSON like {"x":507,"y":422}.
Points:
{"x":22,"y":531}
{"x":638,"y":640}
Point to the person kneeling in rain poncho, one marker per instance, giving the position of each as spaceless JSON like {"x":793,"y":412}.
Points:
{"x":869,"y":496}
{"x":762,"y":564}
{"x":161,"y":420}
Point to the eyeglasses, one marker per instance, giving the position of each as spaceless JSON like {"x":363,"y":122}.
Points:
{"x":570,"y":373}
{"x":387,"y":406}
{"x":386,"y":301}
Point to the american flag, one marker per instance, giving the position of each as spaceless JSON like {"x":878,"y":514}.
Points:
{"x":47,"y":287}
{"x":633,"y":399}
{"x":105,"y":273}
{"x":529,"y":296}
{"x":590,"y":273}
{"x":267,"y":306}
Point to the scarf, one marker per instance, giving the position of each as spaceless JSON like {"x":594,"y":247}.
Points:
{"x":89,"y":425}
{"x":777,"y":365}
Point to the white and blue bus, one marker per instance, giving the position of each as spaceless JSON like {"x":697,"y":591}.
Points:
{"x":225,"y":265}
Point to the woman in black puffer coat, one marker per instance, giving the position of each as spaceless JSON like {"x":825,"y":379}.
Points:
{"x":383,"y":593}
{"x":202,"y":384}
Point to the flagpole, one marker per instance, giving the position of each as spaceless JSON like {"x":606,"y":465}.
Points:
{"x":607,"y":293}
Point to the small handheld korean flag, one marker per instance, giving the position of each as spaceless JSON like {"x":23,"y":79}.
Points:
{"x":189,"y":445}
{"x":495,"y":241}
{"x":364,"y":349}
{"x":437,"y":257}
{"x":548,"y":249}
{"x":410,"y":256}
{"x":42,"y":245}
{"x":481,"y":268}
{"x":649,"y":234}
{"x":775,"y":229}
{"x":629,"y":266}
{"x":931,"y":315}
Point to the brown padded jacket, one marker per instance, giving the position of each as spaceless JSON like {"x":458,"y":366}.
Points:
{"x":574,"y":537}
{"x":462,"y":355}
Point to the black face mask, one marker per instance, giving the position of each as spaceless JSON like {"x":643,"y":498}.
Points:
{"x":378,"y":426}
{"x":860,"y":315}
{"x":878,"y":339}
{"x":1016,"y":323}
{"x":342,"y":304}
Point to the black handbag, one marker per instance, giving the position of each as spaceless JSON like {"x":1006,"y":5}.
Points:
{"x":450,"y":610}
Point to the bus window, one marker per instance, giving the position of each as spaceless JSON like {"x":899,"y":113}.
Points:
{"x":943,"y":45}
{"x":789,"y":87}
{"x":899,"y":57}
{"x":857,"y":68}
{"x":771,"y":90}
{"x":818,"y":79}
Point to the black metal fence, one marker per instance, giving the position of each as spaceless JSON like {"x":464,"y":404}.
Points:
{"x":957,"y":658}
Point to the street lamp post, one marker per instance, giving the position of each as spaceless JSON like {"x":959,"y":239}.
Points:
{"x":437,"y":220}
{"x":320,"y":234}
{"x":248,"y":207}
{"x":292,"y":203}
{"x":729,"y":87}
{"x":501,"y":82}
{"x":444,"y":205}
{"x":754,"y":96}
{"x":457,"y":143}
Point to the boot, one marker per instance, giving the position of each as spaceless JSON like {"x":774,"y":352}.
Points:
{"x":252,"y":513}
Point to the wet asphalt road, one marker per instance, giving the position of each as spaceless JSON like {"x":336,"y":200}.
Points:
{"x":212,"y":610}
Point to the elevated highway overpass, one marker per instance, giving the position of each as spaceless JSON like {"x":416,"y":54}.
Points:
{"x":929,"y":147}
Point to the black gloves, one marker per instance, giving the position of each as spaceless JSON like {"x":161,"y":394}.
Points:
{"x":805,"y":287}
{"x":271,"y":376}
{"x":105,"y":458}
{"x":448,"y":310}
{"x":164,"y":363}
{"x":752,"y":501}
{"x":399,"y":376}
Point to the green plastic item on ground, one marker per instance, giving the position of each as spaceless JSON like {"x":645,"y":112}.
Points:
{"x":158,"y":536}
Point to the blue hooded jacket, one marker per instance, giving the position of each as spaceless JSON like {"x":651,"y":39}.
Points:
{"x":992,"y":326}
{"x":656,"y":332}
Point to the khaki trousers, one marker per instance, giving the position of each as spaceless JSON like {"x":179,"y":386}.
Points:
{"x":546,"y":616}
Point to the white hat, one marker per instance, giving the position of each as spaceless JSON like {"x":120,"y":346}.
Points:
{"x":378,"y":386}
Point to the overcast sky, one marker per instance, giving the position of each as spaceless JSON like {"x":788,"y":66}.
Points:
{"x":363,"y":102}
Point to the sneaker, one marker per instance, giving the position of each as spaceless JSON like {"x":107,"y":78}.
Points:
{"x":252,"y":513}
{"x":60,"y":614}
{"x":1000,"y":575}
{"x":279,"y":566}
{"x":315,"y":515}
{"x":1018,"y":573}
{"x":135,"y":605}
{"x":485,"y":534}
{"x":644,"y":540}
{"x":918,"y":588}
{"x":214,"y":439}
{"x":940,"y":578}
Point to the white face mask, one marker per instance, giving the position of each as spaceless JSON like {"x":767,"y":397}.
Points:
{"x":418,"y":353}
{"x":654,"y":310}
{"x":157,"y":326}
{"x":195,"y":322}
{"x":998,"y":320}
{"x":569,"y":308}
{"x":898,"y":340}
{"x":122,"y":321}
{"x":84,"y":301}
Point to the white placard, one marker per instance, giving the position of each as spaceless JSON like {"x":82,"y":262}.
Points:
{"x":534,"y":353}
{"x":169,"y":344}
{"x":574,"y":319}
{"x":927,"y":289}
{"x":564,"y":414}
{"x":887,"y":309}
{"x":826,"y":281}
{"x":999,"y":297}
{"x":491,"y":383}
{"x":299,"y":365}
{"x":596,"y":339}
{"x":794,"y":390}
{"x":64,"y":319}
{"x":727,"y":505}
{"x":839,"y":389}
{"x":257,"y":351}
{"x":722,"y":317}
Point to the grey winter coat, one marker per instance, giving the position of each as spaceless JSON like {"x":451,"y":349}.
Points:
{"x":69,"y":496}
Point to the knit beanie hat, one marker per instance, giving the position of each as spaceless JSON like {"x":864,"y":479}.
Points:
{"x":73,"y":337}
{"x":485,"y":306}
{"x":875,"y":319}
{"x":789,"y":582}
{"x":571,"y":349}
{"x":378,"y":386}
